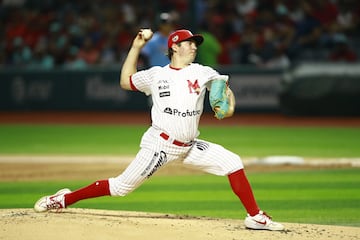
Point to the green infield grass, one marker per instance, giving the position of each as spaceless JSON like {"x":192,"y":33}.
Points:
{"x":244,"y":140}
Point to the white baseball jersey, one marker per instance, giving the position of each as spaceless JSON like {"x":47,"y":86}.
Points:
{"x":178,"y":99}
{"x":177,"y":96}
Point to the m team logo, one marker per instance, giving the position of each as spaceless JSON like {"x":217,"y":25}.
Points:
{"x":187,"y":113}
{"x":194,"y":87}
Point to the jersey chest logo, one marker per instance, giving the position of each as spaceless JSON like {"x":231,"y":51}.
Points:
{"x":194,"y":87}
{"x":164,"y":88}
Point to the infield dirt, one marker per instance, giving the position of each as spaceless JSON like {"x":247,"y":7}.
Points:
{"x":86,"y":224}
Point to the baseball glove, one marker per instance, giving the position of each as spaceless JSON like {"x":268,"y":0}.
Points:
{"x":218,"y":97}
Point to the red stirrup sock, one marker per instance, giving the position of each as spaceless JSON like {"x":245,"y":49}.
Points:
{"x":96,"y":189}
{"x":241,"y":187}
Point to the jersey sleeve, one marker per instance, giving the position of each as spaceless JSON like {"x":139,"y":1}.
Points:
{"x":211,"y":75}
{"x":142,"y":80}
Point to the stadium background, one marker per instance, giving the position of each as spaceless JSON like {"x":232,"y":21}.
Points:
{"x":292,"y":63}
{"x":292,"y":57}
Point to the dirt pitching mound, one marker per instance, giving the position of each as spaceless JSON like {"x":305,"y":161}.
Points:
{"x":86,"y":224}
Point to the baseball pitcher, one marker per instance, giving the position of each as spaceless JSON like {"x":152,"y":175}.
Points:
{"x":178,"y":94}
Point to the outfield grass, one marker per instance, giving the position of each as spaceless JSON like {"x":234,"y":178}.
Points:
{"x":246,"y":141}
{"x":320,"y":197}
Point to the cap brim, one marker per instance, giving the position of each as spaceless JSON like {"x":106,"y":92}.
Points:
{"x":199,"y":39}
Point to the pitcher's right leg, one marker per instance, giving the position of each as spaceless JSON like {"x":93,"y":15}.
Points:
{"x":145,"y":164}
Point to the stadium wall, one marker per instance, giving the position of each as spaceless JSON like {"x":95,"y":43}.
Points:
{"x":310,"y":89}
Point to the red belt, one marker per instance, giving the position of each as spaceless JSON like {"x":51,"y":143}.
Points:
{"x":176,"y":142}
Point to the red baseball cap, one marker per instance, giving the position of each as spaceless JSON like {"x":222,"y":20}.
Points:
{"x":182,"y":35}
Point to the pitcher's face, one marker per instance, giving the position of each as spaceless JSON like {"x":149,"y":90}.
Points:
{"x":187,"y":51}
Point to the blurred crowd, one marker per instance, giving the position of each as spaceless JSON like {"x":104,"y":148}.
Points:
{"x":79,"y":34}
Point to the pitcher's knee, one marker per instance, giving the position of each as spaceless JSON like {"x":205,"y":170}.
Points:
{"x":120,"y":188}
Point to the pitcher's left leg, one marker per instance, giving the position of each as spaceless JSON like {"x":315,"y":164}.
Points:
{"x":217,"y":160}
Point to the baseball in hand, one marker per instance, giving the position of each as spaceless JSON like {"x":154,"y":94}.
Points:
{"x":146,"y":33}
